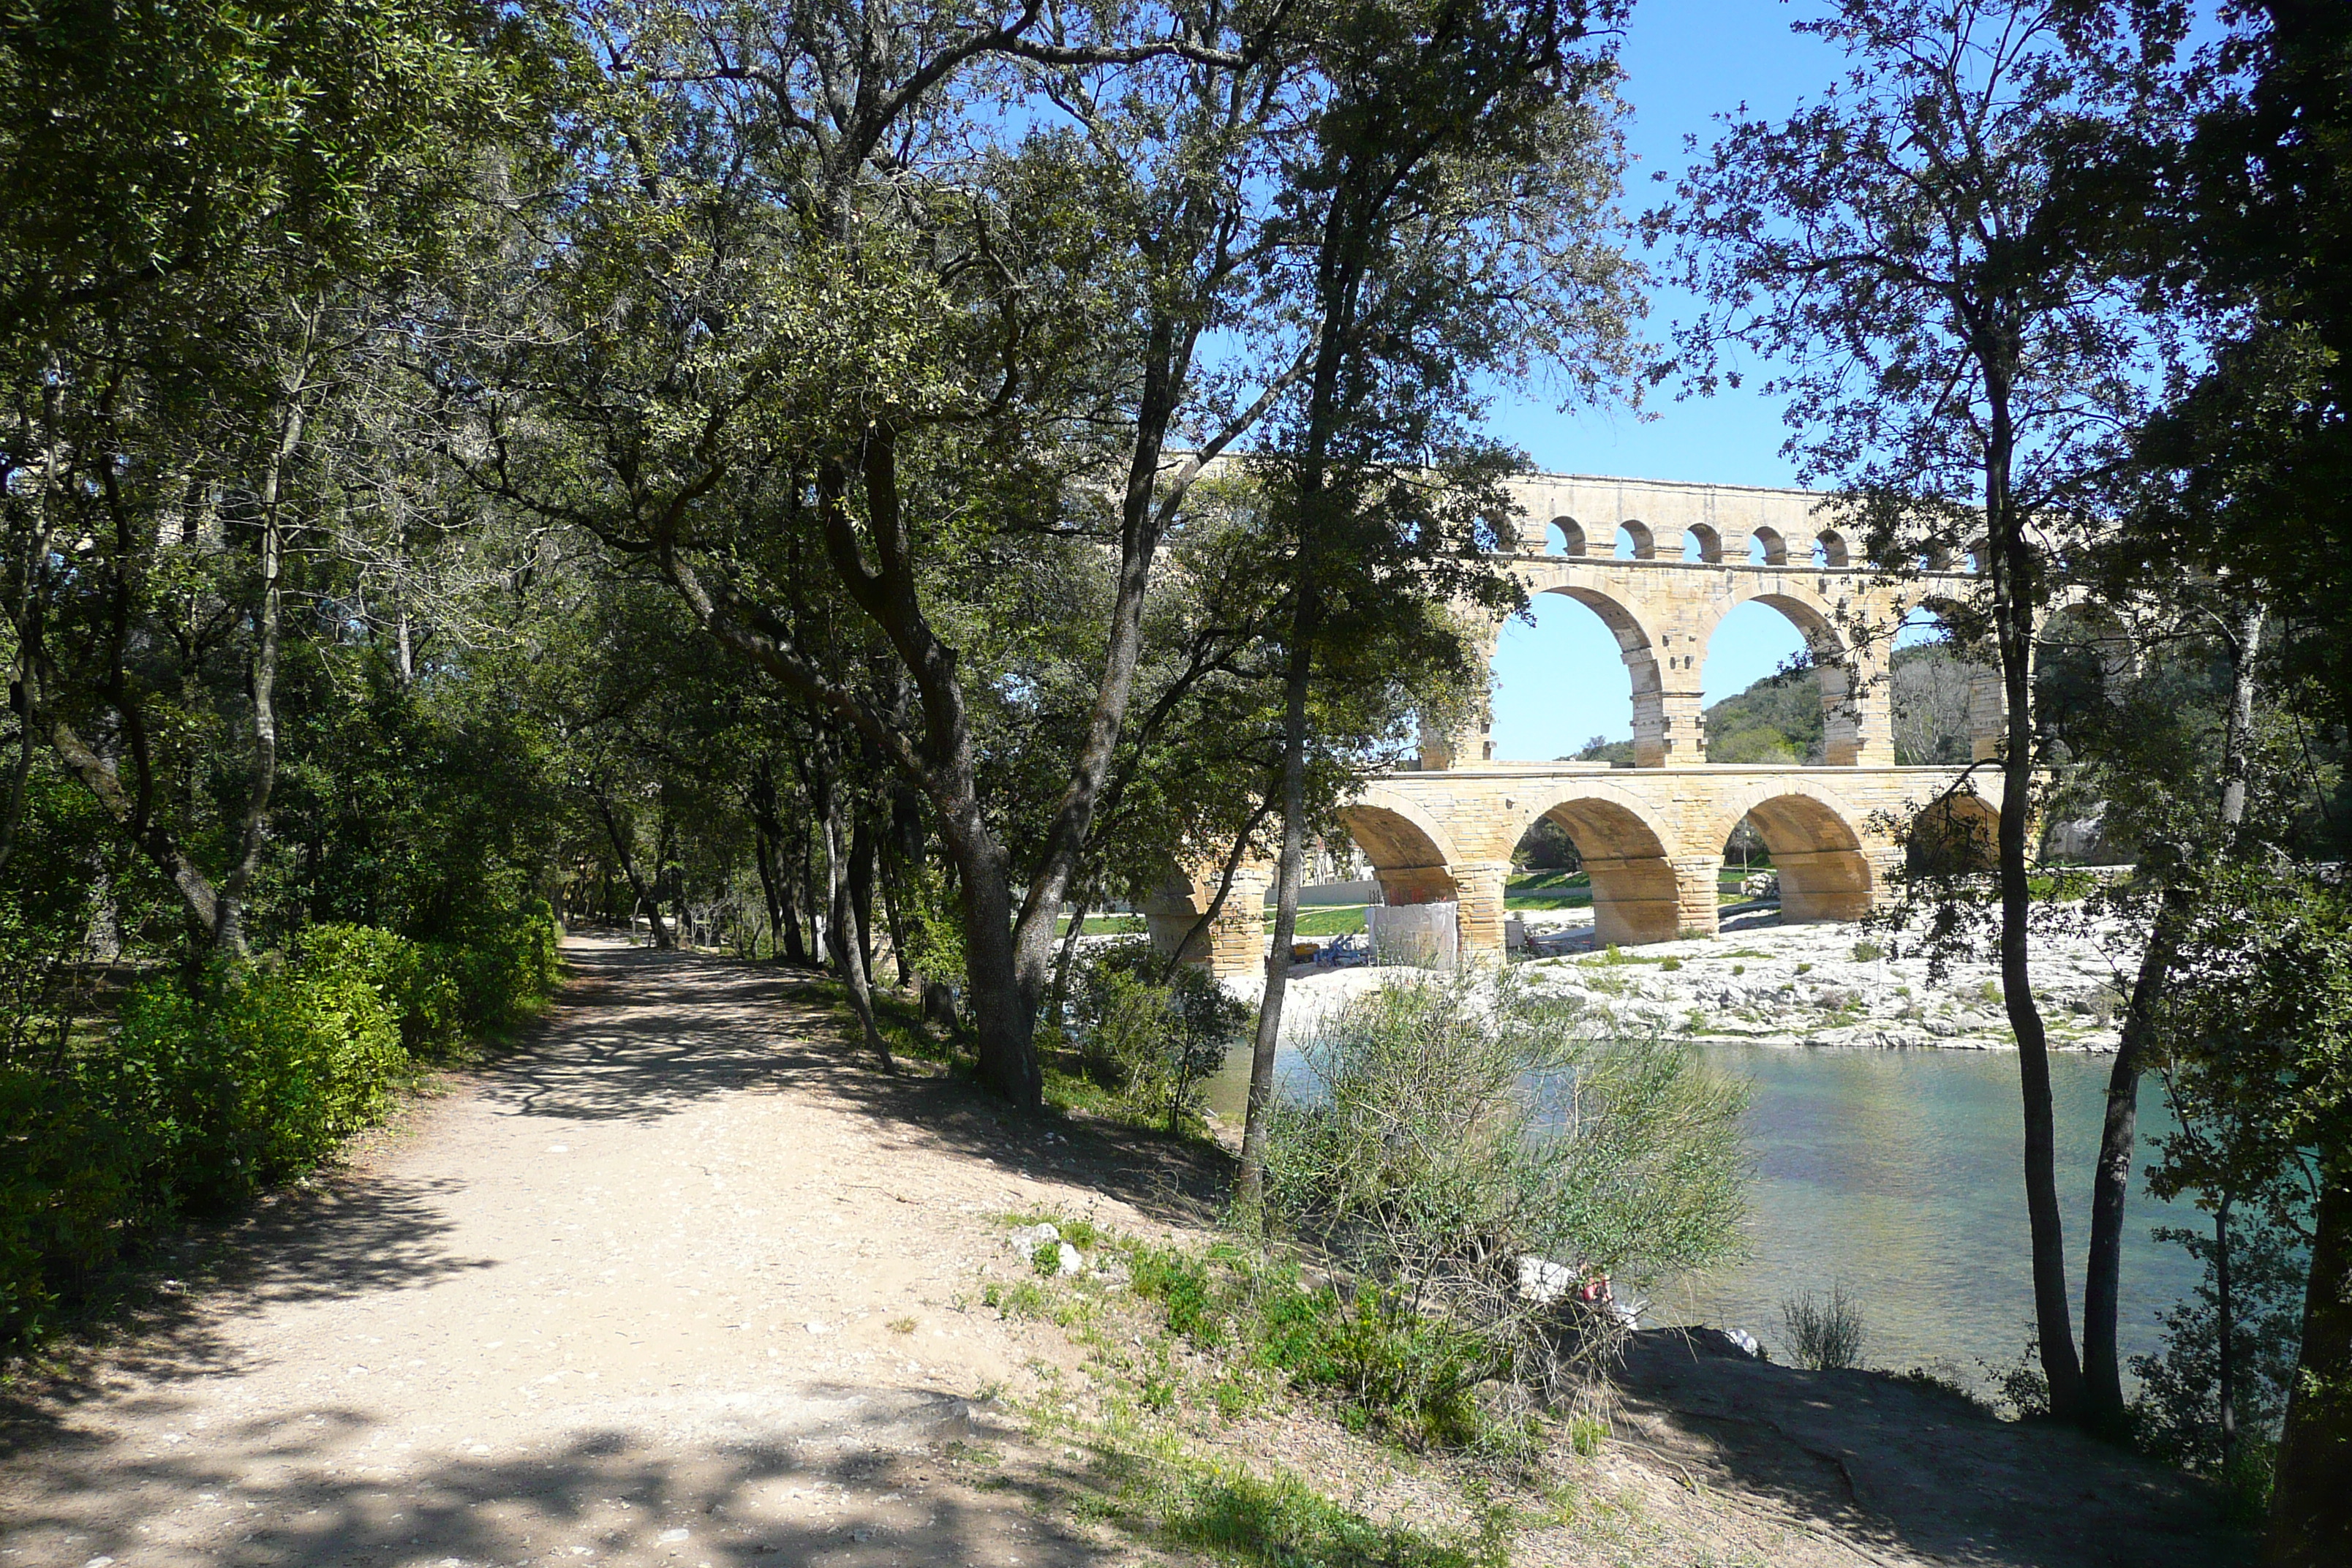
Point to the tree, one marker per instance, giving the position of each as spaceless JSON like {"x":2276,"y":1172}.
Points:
{"x":1448,"y":217}
{"x":2254,"y":217}
{"x":2260,"y":1026}
{"x":1962,"y":355}
{"x":796,"y":326}
{"x":175,"y":357}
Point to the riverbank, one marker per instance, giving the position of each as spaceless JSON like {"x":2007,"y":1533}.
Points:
{"x":1762,"y":983}
{"x":684,"y":1279}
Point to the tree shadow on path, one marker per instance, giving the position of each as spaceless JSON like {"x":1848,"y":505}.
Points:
{"x":646,"y":1033}
{"x":1912,"y":1468}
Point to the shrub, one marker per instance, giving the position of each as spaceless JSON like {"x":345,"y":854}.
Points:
{"x":1153,"y":1042}
{"x":412,"y":978}
{"x":1450,"y":1132}
{"x":255,"y":1077}
{"x":1825,"y":1335}
{"x":1868,"y":953}
{"x":66,"y":1193}
{"x":1400,"y":1369}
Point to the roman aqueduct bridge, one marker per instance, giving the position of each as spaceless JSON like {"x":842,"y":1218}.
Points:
{"x":1662,"y":564}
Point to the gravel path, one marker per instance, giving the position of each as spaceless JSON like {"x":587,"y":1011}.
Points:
{"x":670,"y":1286}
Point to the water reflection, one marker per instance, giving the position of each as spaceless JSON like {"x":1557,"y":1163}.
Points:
{"x":1899,"y":1174}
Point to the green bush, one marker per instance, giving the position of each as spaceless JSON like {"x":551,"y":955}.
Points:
{"x":412,"y":979}
{"x":253,"y":1077}
{"x":202,"y":1096}
{"x":1152,"y":1042}
{"x":1398,"y":1369}
{"x":67,"y":1193}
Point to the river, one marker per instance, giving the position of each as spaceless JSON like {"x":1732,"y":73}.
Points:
{"x":1897,"y":1174}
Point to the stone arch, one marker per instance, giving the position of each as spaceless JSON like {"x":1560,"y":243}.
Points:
{"x":1770,"y":546}
{"x":1701,"y":542}
{"x":1411,"y":855}
{"x":1571,"y":536}
{"x":1829,"y":548}
{"x":1825,"y":872}
{"x":2107,"y":636}
{"x":1954,"y":834}
{"x":1625,"y":851}
{"x":1638,"y":537}
{"x":1636,"y":648}
{"x":1851,"y":712}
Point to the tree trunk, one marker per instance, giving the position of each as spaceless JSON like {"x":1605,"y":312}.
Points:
{"x":894,"y":910}
{"x":2012,"y":569}
{"x":1285,"y":907}
{"x":645,"y":895}
{"x":2225,"y":1324}
{"x":2103,"y":1388}
{"x":2311,"y":1504}
{"x":848,"y":952}
{"x":861,"y":889}
{"x":1059,"y":997}
{"x":228,"y":929}
{"x":1002,"y":977}
{"x":763,"y":853}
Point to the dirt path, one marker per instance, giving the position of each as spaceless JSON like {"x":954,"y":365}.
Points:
{"x":673,"y":1285}
{"x":684,"y":1283}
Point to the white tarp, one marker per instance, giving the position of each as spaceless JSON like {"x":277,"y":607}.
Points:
{"x":1422,"y":936}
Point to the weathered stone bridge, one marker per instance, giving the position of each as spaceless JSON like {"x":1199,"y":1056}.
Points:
{"x":1662,"y":565}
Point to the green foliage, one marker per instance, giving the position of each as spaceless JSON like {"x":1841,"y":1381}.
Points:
{"x":1823,"y":1334}
{"x":255,"y":1077}
{"x":1449,"y":1131}
{"x":68,"y":1188}
{"x":2176,"y":1414}
{"x":1153,"y":1041}
{"x":199,"y":1098}
{"x":1397,"y":1367}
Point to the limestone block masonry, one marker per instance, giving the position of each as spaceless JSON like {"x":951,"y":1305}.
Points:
{"x":1662,"y":564}
{"x":1651,"y":838}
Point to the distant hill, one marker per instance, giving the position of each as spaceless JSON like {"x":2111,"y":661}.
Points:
{"x":1779,"y":719}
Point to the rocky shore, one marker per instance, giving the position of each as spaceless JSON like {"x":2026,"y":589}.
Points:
{"x":1761,"y":983}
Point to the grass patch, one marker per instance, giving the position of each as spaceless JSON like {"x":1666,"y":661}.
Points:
{"x":1326,"y":920}
{"x":1282,"y":1521}
{"x":1103,"y":925}
{"x":1576,"y":899}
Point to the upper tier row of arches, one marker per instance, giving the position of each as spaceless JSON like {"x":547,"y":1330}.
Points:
{"x":1761,"y":546}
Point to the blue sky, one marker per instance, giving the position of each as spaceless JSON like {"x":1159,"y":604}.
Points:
{"x":1559,"y":682}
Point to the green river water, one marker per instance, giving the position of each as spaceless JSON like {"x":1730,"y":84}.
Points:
{"x":1898,"y":1174}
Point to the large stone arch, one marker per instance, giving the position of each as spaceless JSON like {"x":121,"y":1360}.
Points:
{"x":1852,"y":712}
{"x":1630,"y":623}
{"x":1410,"y":852}
{"x":1823,"y":850}
{"x":1628,"y":854}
